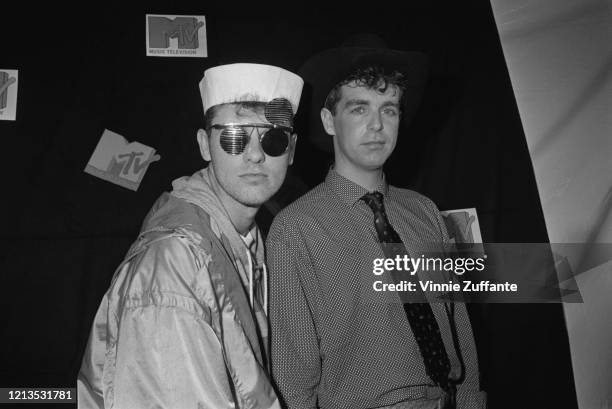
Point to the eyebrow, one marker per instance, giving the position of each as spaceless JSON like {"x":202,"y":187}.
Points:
{"x":353,"y":102}
{"x":390,"y":104}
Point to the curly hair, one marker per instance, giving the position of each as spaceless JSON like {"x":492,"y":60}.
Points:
{"x":371,"y":77}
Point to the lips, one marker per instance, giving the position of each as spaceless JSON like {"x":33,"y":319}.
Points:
{"x":253,"y":177}
{"x":374,"y":144}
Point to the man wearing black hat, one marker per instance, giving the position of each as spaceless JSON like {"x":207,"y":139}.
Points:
{"x":334,"y":344}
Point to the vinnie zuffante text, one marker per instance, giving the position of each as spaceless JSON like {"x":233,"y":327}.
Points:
{"x":456,"y":265}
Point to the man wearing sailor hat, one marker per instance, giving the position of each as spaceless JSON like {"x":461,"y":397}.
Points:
{"x":183,"y":323}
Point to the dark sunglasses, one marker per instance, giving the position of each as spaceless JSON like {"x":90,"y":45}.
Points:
{"x":274,"y":139}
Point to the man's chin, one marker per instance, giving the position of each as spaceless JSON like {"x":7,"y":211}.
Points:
{"x":254,"y":200}
{"x":375,"y":160}
{"x":253,"y":204}
{"x":374,"y":164}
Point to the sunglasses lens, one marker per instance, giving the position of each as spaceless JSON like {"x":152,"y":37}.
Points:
{"x":275,"y":142}
{"x":279,"y":111}
{"x":234,"y":140}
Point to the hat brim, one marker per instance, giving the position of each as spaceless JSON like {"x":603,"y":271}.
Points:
{"x":324,"y":70}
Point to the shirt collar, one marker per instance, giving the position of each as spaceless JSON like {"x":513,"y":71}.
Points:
{"x":349,"y":191}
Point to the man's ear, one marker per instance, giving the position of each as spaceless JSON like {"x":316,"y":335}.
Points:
{"x":328,"y":121}
{"x":203,"y":141}
{"x":292,"y":143}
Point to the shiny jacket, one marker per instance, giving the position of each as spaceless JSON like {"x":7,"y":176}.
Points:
{"x":176,"y":329}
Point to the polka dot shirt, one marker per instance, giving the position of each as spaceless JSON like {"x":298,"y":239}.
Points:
{"x":334,"y":344}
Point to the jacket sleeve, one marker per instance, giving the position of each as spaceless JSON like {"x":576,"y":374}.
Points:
{"x":295,"y":356}
{"x":165,"y":348}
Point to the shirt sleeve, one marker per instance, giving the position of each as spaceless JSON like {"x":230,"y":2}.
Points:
{"x":469,"y":395}
{"x":167,"y":353}
{"x":295,"y":356}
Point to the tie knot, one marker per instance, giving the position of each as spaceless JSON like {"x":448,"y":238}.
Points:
{"x":374,"y":200}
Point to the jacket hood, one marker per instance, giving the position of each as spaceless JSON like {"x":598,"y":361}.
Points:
{"x":197,"y":189}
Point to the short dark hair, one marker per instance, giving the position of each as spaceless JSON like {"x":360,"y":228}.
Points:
{"x":253,"y":106}
{"x":371,"y":77}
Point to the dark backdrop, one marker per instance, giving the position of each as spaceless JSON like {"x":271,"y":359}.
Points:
{"x":84,"y":69}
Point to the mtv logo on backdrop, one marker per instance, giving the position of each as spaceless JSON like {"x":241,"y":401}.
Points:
{"x":8,"y":94}
{"x":462,"y":225}
{"x":119,"y":162}
{"x":176,"y":36}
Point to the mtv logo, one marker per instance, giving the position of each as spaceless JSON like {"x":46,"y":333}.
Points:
{"x":119,"y":162}
{"x":462,"y":225}
{"x":8,"y":94}
{"x":176,"y":36}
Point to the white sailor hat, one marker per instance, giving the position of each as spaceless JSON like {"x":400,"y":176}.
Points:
{"x":249,"y":82}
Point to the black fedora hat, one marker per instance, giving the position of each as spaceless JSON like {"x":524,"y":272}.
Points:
{"x":326,"y":69}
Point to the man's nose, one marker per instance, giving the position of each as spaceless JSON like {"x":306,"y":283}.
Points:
{"x":375,"y":123}
{"x":253,"y":152}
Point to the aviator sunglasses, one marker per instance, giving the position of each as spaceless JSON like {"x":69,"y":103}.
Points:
{"x":273,"y":137}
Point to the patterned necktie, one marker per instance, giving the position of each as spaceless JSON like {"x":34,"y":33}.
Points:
{"x":420,"y":315}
